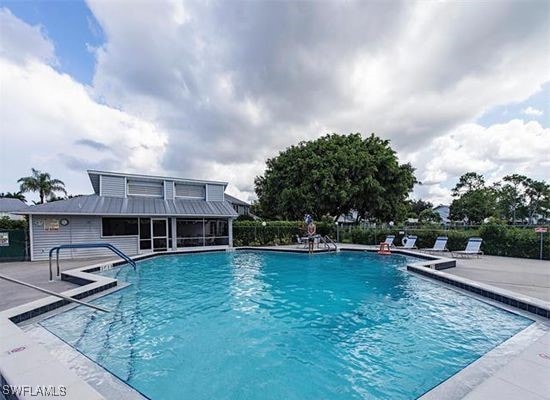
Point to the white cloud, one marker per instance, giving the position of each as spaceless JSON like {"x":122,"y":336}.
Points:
{"x":20,"y":42}
{"x":532,"y":112}
{"x":234,"y":83}
{"x":212,"y":89}
{"x":51,"y":122}
{"x":498,"y":150}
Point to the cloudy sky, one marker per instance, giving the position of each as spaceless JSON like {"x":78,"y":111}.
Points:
{"x":211,"y":89}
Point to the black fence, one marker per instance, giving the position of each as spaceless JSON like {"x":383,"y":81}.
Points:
{"x":14,"y":245}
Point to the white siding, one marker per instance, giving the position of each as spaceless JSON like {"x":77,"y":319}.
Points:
{"x":112,"y":186}
{"x":190,"y":191}
{"x":145,"y":188}
{"x":168,"y":190}
{"x":81,"y":229}
{"x":214,"y":192}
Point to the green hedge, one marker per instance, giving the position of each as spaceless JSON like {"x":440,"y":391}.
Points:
{"x":253,"y":233}
{"x":513,"y":242}
{"x":426,"y":237}
{"x":7,"y":223}
{"x":500,"y":240}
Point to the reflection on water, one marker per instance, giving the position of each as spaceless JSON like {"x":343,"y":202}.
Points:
{"x":253,"y":325}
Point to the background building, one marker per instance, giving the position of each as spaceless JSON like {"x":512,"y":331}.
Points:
{"x":9,"y":207}
{"x":241,"y":207}
{"x":444,"y":212}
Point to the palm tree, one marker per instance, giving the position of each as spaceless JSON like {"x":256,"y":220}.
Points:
{"x":14,"y":195}
{"x":42,"y":183}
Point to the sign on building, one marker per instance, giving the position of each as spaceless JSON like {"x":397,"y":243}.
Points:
{"x":4,"y":239}
{"x":51,"y":225}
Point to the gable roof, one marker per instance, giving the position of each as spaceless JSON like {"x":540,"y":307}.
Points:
{"x":8,"y":205}
{"x":234,"y":200}
{"x":133,"y":206}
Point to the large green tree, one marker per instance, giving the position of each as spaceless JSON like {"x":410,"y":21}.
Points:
{"x":429,"y":215}
{"x":520,"y":198}
{"x":43,"y":183}
{"x":415,"y":207}
{"x":511,"y":197}
{"x":334,"y":175}
{"x":537,"y":196}
{"x":473,"y":200}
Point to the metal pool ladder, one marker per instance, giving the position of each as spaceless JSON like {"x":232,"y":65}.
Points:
{"x":87,"y":246}
{"x":328,"y":241}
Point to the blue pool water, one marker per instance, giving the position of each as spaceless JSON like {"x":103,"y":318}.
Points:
{"x":258,"y":325}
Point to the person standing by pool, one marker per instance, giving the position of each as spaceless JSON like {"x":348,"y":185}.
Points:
{"x":311,"y":231}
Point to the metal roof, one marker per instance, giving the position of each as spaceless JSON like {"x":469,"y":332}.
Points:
{"x":234,"y":200}
{"x":11,"y":205}
{"x":138,"y":206}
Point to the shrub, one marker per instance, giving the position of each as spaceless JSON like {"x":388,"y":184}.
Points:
{"x":244,"y":217}
{"x":498,"y":239}
{"x":249,"y":233}
{"x":513,"y":242}
{"x":7,"y":223}
{"x":426,"y":237}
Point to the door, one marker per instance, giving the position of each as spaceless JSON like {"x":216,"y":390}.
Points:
{"x":159,"y":228}
{"x":145,"y":234}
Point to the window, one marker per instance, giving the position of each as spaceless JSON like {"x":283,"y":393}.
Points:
{"x":119,"y":226}
{"x":191,"y":191}
{"x":201,"y":232}
{"x":189,"y":232}
{"x":145,"y":188}
{"x":144,"y":233}
{"x":189,"y":228}
{"x":216,"y":227}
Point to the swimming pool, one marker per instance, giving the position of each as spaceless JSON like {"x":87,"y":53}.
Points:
{"x":264,"y":325}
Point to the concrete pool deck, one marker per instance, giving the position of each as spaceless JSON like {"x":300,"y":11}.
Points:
{"x":520,"y":367}
{"x":37,"y":273}
{"x":525,"y":276}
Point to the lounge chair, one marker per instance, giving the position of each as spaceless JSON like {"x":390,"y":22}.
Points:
{"x":389,"y":240}
{"x":410,"y":243}
{"x":472,"y":248}
{"x":440,"y":245}
{"x":302,"y":241}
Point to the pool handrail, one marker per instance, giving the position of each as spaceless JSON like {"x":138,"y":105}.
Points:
{"x":61,"y":296}
{"x":328,"y":241}
{"x":87,"y":246}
